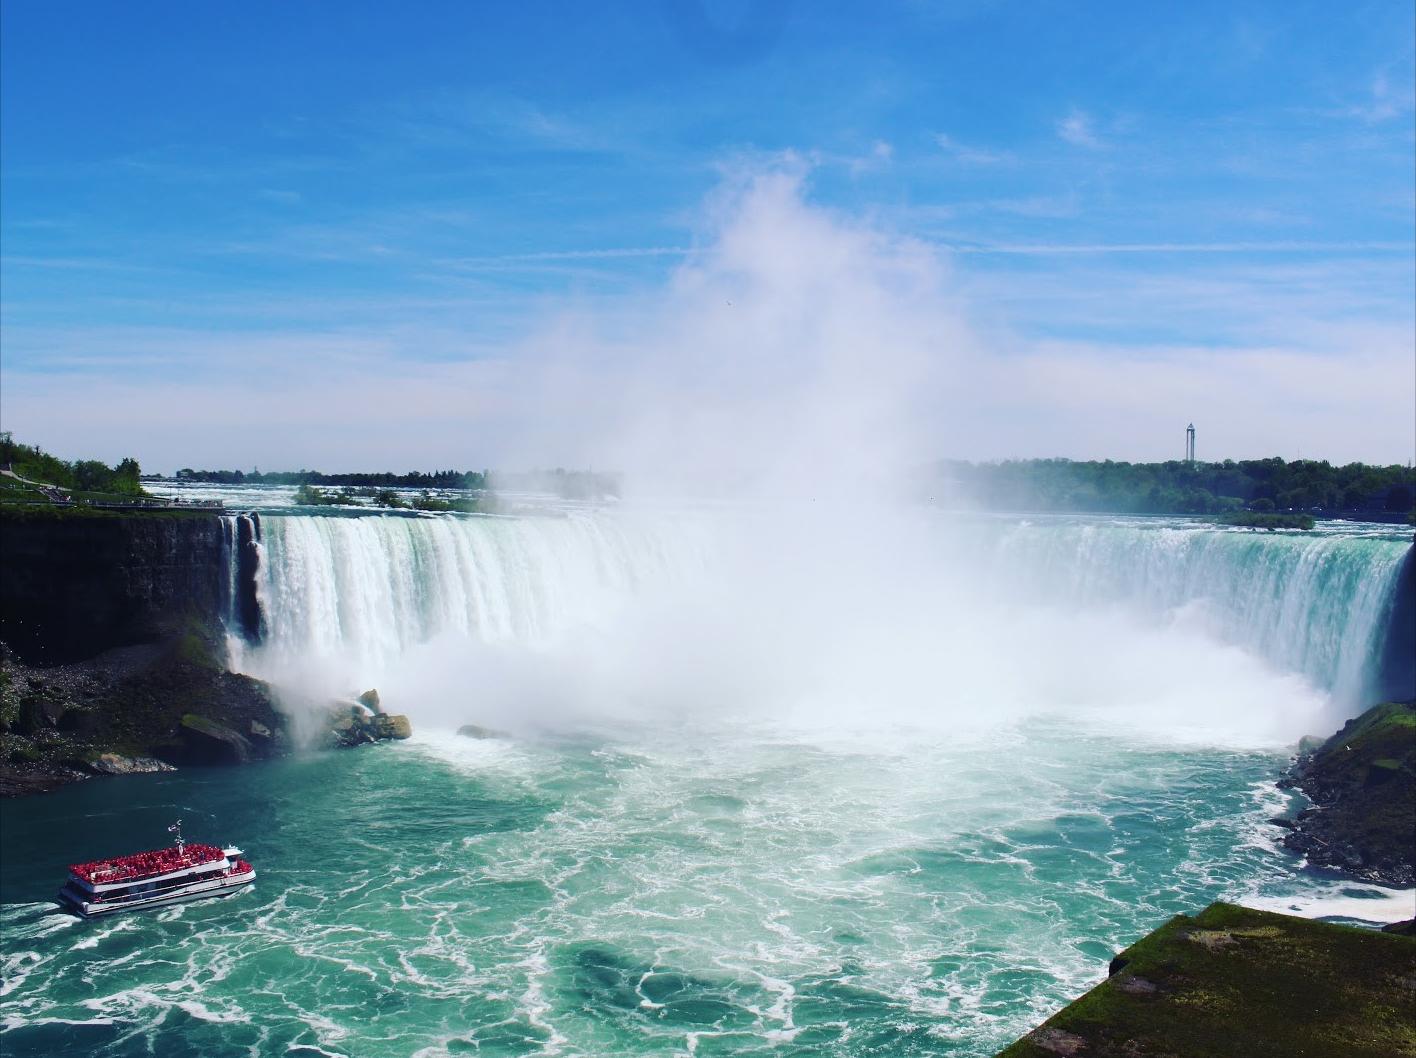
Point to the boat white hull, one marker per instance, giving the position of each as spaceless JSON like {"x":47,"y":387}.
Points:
{"x":184,"y":894}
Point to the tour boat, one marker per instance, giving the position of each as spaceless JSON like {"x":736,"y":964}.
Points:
{"x":140,"y":880}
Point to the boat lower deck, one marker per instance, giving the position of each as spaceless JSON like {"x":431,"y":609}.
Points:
{"x":223,"y":885}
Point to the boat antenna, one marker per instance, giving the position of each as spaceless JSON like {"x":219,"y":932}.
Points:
{"x":176,"y":828}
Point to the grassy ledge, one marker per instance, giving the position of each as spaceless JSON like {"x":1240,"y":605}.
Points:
{"x":1234,"y":981}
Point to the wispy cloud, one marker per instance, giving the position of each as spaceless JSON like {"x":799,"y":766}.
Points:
{"x":969,"y":155}
{"x":1078,"y":129}
{"x":1384,"y":102}
{"x":880,"y":155}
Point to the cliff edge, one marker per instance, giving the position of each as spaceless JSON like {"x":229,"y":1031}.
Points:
{"x":1234,"y":981}
{"x":1362,"y":782}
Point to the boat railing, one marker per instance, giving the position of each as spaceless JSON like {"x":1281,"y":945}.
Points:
{"x":171,"y":886}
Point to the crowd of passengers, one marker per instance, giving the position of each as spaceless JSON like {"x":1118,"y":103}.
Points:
{"x":141,"y":864}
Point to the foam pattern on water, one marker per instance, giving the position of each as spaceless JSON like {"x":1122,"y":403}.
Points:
{"x":704,"y":892}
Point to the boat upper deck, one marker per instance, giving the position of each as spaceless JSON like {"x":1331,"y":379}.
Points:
{"x":141,"y":865}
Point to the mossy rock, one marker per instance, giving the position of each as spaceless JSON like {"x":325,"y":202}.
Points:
{"x":1234,"y":981}
{"x":1363,"y":783}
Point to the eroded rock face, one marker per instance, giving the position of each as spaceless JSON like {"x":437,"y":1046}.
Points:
{"x":208,"y":742}
{"x":73,"y":588}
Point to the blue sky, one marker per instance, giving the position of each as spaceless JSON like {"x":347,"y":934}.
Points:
{"x":225,"y":219}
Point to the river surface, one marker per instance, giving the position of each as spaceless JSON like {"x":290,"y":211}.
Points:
{"x":736,"y":812}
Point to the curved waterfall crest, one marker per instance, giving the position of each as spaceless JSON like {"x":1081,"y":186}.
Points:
{"x":373,"y":587}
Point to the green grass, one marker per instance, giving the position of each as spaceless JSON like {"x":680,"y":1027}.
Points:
{"x":1259,"y":520}
{"x":1233,"y":981}
{"x":46,"y":511}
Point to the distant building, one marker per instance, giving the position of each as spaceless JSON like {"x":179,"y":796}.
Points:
{"x":1190,"y":443}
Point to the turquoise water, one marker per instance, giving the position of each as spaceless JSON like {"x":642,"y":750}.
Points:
{"x":703,"y":891}
{"x":775,"y":784}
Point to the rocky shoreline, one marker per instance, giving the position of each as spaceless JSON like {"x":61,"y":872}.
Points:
{"x":116,"y":661}
{"x":1304,"y":987}
{"x":152,"y":707}
{"x":1362,"y":785}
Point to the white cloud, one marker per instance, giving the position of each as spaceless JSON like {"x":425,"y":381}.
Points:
{"x":1078,"y":129}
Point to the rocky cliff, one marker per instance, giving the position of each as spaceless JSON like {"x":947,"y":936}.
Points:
{"x":112,"y":648}
{"x":73,"y":587}
{"x":1362,"y":782}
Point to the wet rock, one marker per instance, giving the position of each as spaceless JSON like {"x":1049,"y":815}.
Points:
{"x":389,"y":725}
{"x":208,"y":742}
{"x":370,"y":700}
{"x":350,"y":731}
{"x":117,"y":764}
{"x":259,"y":730}
{"x":357,"y":727}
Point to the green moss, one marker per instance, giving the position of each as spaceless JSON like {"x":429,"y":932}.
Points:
{"x":1234,"y":981}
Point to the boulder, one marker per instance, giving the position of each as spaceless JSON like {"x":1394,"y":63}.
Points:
{"x":117,"y":764}
{"x":208,"y":742}
{"x":350,"y":731}
{"x":392,"y":725}
{"x":353,"y":723}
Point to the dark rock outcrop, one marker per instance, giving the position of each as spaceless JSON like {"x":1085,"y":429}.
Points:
{"x":170,"y":702}
{"x":209,"y":742}
{"x":72,"y":588}
{"x":1362,"y":783}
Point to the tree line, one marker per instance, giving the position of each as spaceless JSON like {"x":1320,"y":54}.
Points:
{"x":437,"y":479}
{"x":570,"y":484}
{"x":81,"y":475}
{"x":1179,"y":487}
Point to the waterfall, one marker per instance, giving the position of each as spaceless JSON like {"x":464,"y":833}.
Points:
{"x":1314,"y":604}
{"x":372,"y":587}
